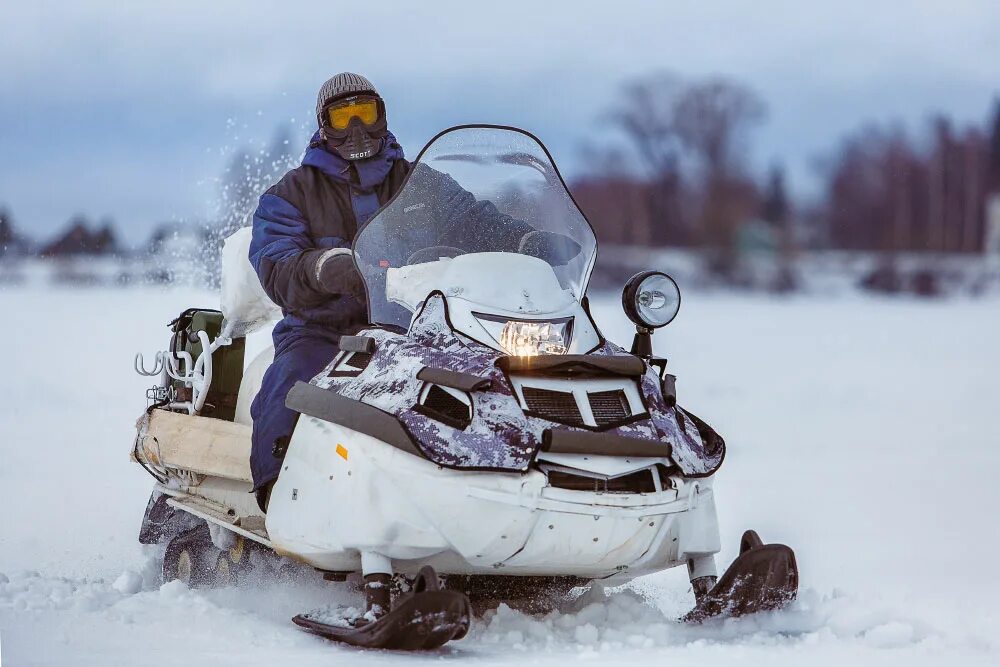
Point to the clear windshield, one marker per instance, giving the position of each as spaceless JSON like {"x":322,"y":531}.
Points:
{"x":476,"y":190}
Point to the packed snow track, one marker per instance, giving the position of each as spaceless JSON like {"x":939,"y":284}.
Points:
{"x":863,"y":431}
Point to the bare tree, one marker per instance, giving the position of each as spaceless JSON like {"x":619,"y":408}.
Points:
{"x":690,"y":140}
{"x":776,"y":210}
{"x":7,"y":235}
{"x":994,"y":149}
{"x":975,"y":183}
{"x":889,"y":193}
{"x":613,"y":197}
{"x":646,"y":113}
{"x":712,"y":119}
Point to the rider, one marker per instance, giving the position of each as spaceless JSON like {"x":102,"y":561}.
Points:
{"x":302,"y":233}
{"x":303,"y":229}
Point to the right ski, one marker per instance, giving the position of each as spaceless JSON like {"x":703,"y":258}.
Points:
{"x":764,"y":577}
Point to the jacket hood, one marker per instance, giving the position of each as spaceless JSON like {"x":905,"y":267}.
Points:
{"x":371,"y":171}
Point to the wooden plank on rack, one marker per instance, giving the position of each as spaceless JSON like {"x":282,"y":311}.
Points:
{"x":203,"y":445}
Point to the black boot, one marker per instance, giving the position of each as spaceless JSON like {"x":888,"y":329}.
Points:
{"x":263,"y":496}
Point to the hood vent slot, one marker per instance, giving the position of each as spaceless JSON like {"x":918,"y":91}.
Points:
{"x":444,"y":406}
{"x":649,"y":480}
{"x":557,"y":406}
{"x":603,"y":409}
{"x":352,"y":365}
{"x":609,"y":407}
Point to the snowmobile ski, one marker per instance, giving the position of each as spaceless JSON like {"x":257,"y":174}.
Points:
{"x":424,"y":619}
{"x":764,"y":577}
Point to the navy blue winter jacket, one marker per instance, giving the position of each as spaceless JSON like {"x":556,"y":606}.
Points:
{"x":321,"y":204}
{"x":314,"y":207}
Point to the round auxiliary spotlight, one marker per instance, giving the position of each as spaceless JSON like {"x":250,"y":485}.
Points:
{"x":651,"y":299}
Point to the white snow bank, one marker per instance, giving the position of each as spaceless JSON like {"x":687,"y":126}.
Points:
{"x":861,"y":431}
{"x":128,"y":582}
{"x":626,"y":619}
{"x":92,"y":620}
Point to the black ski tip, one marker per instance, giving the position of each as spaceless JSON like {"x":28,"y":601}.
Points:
{"x":764,"y":577}
{"x":421,"y":622}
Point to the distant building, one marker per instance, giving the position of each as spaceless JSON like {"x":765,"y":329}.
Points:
{"x":80,"y":240}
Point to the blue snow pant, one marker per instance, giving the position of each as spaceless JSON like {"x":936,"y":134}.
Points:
{"x":299,"y":355}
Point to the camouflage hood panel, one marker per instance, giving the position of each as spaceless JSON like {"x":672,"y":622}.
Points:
{"x":500,"y":437}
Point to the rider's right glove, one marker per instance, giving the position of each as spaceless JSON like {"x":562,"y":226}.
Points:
{"x":336,"y":273}
{"x":556,"y":249}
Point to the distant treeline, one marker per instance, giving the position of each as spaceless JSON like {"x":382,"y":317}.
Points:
{"x":887,"y":191}
{"x":884,"y":190}
{"x":679,"y":177}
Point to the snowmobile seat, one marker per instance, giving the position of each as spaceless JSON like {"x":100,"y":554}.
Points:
{"x":253,"y":376}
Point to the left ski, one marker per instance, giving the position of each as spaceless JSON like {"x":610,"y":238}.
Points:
{"x":423,"y":620}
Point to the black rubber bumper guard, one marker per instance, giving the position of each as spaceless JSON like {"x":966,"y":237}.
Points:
{"x":560,"y":441}
{"x":308,"y":399}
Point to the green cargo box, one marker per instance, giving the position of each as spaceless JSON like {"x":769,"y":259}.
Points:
{"x":227,"y":361}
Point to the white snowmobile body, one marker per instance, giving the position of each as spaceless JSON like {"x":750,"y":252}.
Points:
{"x":481,"y":425}
{"x":327,"y":510}
{"x":342,"y":492}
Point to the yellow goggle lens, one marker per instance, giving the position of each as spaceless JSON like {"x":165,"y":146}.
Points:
{"x":340,"y":116}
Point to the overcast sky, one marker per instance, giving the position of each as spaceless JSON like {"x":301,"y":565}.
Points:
{"x":129,"y":110}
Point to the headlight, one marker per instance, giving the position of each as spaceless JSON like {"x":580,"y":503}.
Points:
{"x":651,"y":299}
{"x":528,"y":338}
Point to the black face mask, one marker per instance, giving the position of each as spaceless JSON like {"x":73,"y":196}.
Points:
{"x":357,"y":141}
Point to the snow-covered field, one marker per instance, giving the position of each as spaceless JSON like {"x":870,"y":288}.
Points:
{"x":862,"y":432}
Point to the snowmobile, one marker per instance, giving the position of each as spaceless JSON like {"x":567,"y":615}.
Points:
{"x":480,"y":431}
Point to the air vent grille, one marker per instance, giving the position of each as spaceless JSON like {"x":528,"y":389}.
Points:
{"x":640,"y":481}
{"x":609,"y":407}
{"x":557,"y":406}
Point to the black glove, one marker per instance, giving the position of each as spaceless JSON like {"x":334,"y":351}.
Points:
{"x":556,"y":249}
{"x":337,"y":275}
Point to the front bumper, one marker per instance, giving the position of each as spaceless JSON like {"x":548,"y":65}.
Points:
{"x":341,"y":493}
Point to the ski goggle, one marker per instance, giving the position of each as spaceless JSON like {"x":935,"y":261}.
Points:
{"x":363,"y":108}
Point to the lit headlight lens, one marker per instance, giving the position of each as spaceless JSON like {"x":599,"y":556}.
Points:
{"x":529,"y":338}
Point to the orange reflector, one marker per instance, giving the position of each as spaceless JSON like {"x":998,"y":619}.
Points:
{"x":342,"y":451}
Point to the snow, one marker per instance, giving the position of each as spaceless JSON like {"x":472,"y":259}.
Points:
{"x":128,"y":582}
{"x":341,"y":616}
{"x":244,"y":303}
{"x":861,"y":431}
